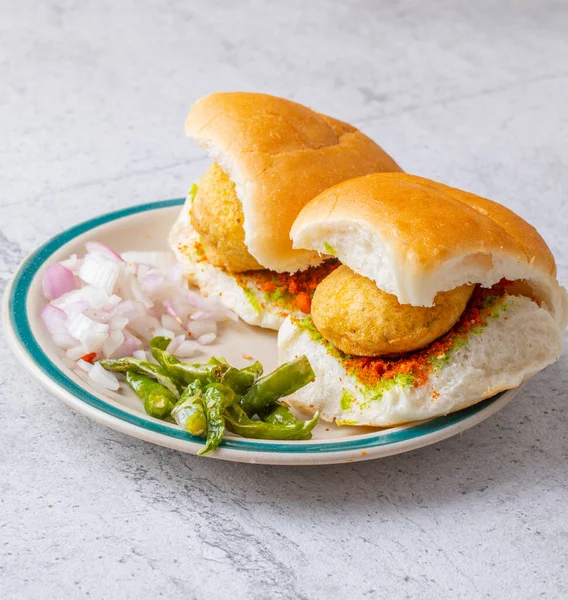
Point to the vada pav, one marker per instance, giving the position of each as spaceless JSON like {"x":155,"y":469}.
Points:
{"x":271,"y":157}
{"x":443,"y":299}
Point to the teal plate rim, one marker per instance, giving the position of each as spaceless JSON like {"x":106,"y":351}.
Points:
{"x":19,"y":321}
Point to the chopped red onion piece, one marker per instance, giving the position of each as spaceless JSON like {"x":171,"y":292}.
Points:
{"x":130,"y":346}
{"x":57,"y":280}
{"x":54,"y":319}
{"x":104,"y":249}
{"x":151,"y":283}
{"x":170,"y":309}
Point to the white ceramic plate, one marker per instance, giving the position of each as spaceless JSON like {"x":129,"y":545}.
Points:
{"x":146,"y":227}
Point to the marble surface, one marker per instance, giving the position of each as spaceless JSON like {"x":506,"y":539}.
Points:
{"x":93,"y":97}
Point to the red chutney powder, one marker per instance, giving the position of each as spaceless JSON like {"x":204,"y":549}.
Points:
{"x":418,"y":365}
{"x":284,"y":290}
{"x":288,"y":291}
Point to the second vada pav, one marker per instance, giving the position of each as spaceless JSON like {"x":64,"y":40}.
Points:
{"x":271,"y":157}
{"x":443,"y":299}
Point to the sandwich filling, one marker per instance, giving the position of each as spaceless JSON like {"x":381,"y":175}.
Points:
{"x":375,"y":375}
{"x":216,"y":239}
{"x":355,"y":315}
{"x":217,"y":216}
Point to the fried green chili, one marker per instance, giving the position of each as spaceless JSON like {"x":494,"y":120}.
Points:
{"x":218,"y":398}
{"x":240,"y":423}
{"x":285,"y":380}
{"x":189,"y":413}
{"x":142,"y":367}
{"x":206,"y":398}
{"x":158,"y":400}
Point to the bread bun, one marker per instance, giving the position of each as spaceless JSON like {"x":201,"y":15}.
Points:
{"x":280,"y":155}
{"x":515,"y":344}
{"x":415,"y":237}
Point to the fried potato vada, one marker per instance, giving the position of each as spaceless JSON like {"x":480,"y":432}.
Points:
{"x":217,"y":215}
{"x":359,"y":318}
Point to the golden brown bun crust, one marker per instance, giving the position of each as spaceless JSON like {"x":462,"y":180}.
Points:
{"x":217,"y":215}
{"x":280,"y":154}
{"x":358,"y":318}
{"x":430,"y":221}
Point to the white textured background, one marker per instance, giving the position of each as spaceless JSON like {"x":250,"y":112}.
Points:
{"x":93,"y":95}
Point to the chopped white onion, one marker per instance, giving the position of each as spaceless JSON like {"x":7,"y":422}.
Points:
{"x":168,"y":322}
{"x":103,"y":377}
{"x":100,"y":272}
{"x":175,"y":274}
{"x":152,"y":283}
{"x":73,"y":264}
{"x":170,"y":309}
{"x":64,"y":340}
{"x":208,"y":338}
{"x":80,"y":324}
{"x":162,"y":260}
{"x":113,"y":342}
{"x":118,"y":322}
{"x":145,"y":327}
{"x":163,"y":332}
{"x":187,"y":349}
{"x":93,"y":341}
{"x":72,"y":309}
{"x":199,"y":328}
{"x":130,"y":310}
{"x":75,"y":352}
{"x":139,"y":295}
{"x":83,"y":364}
